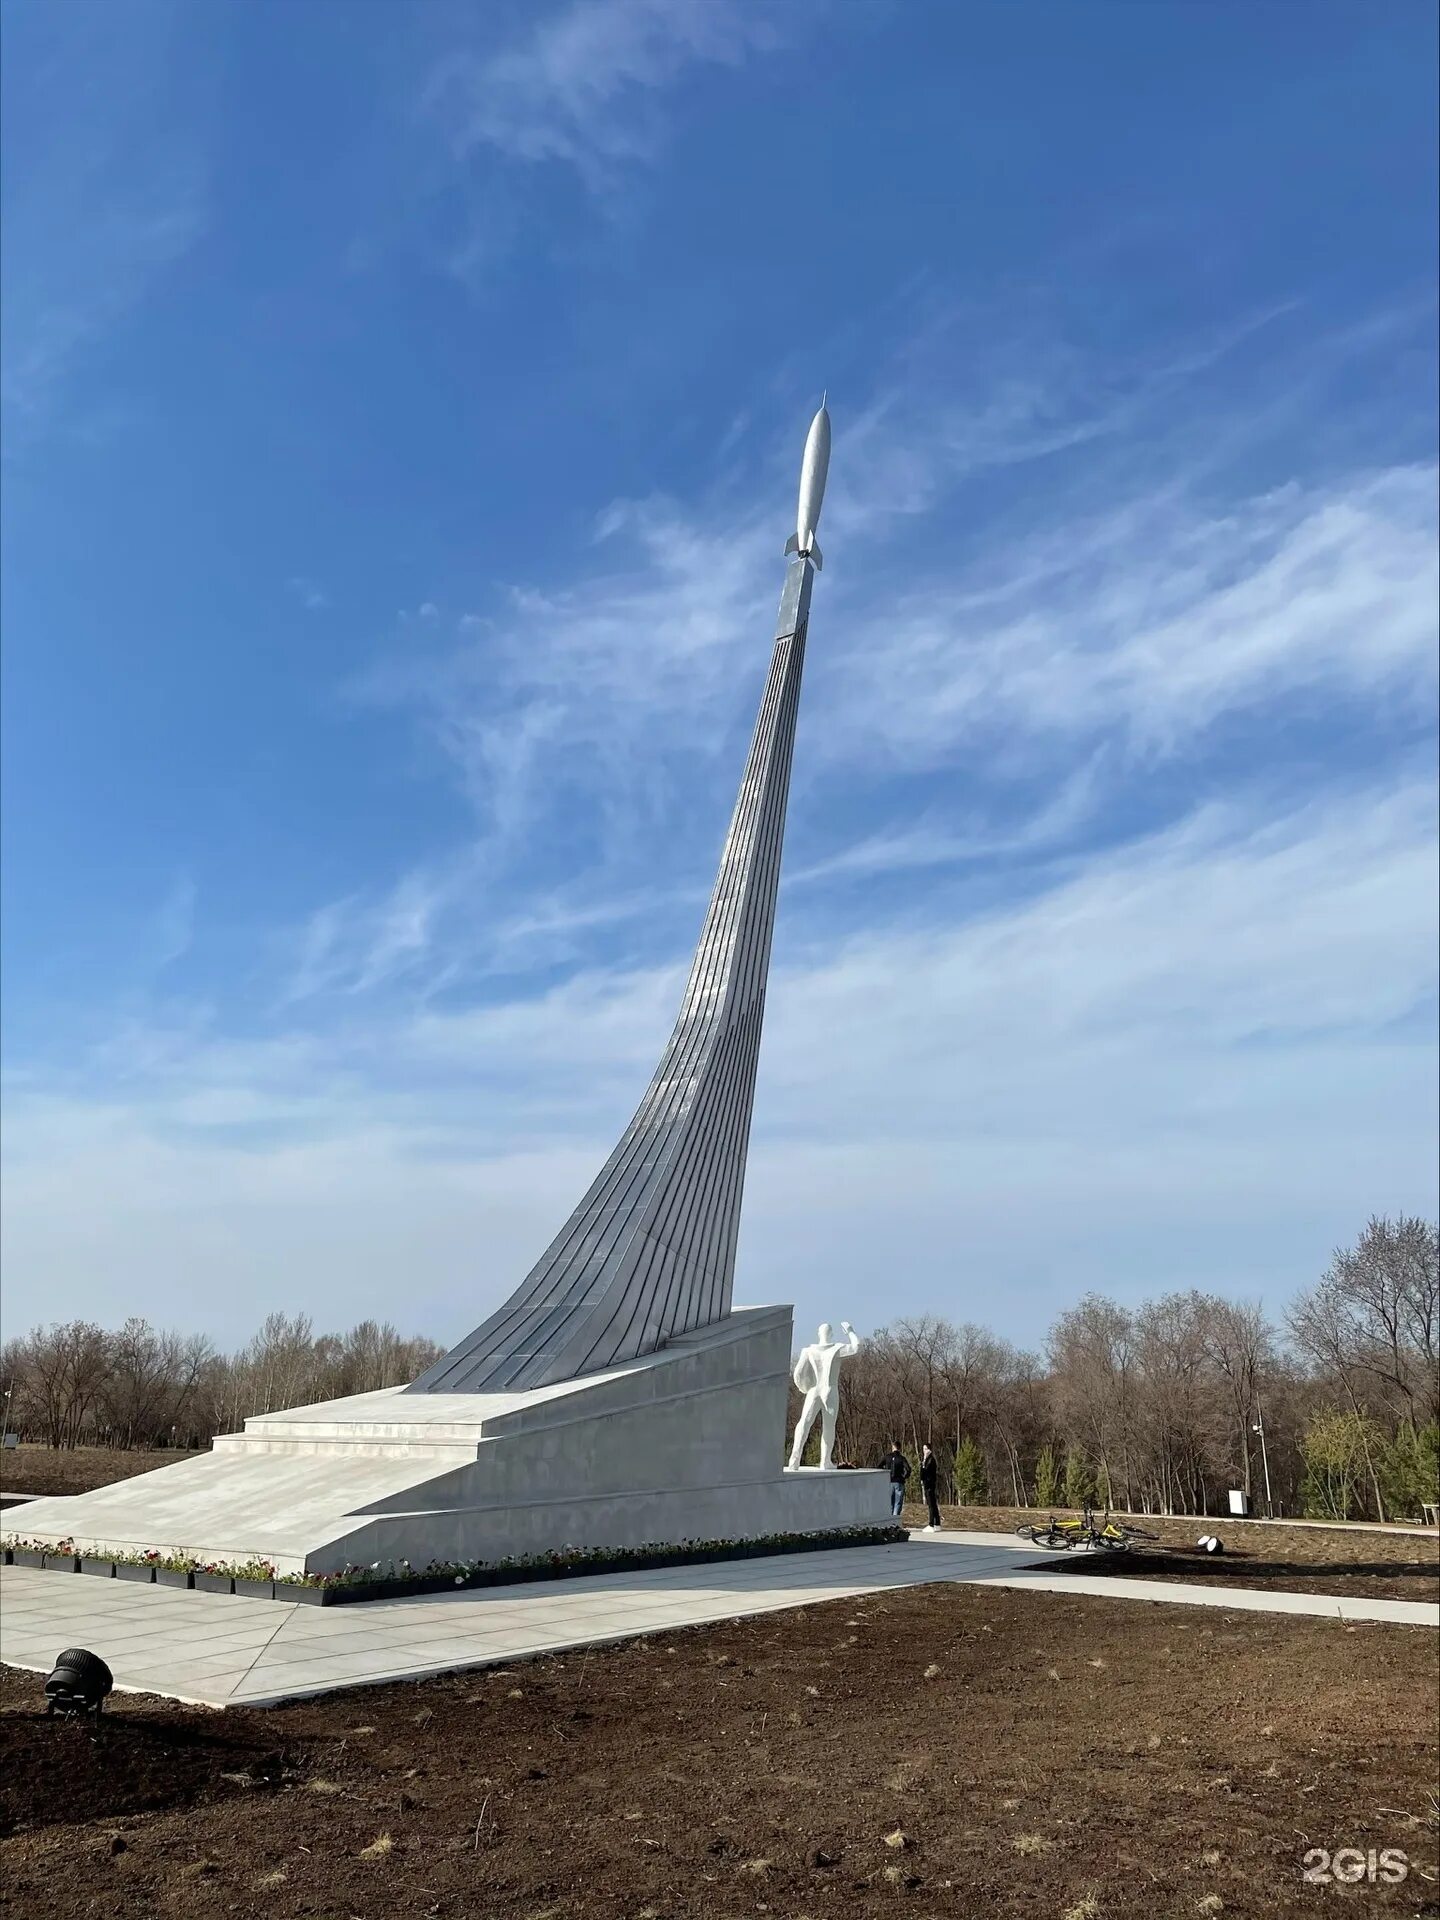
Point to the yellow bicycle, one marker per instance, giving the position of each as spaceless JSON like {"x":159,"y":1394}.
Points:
{"x":1105,"y":1535}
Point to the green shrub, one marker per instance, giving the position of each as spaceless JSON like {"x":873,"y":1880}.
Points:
{"x":971,"y":1479}
{"x":1333,"y":1448}
{"x":1047,"y":1479}
{"x":1078,"y":1488}
{"x":1409,"y":1471}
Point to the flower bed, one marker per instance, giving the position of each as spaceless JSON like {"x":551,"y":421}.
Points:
{"x":398,"y":1580}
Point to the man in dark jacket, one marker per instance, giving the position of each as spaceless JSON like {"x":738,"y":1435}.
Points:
{"x":899,"y":1469}
{"x":929,"y":1468}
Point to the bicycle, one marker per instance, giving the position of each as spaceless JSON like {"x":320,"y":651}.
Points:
{"x":1108,"y":1536}
{"x":1057,"y":1535}
{"x":1116,"y":1536}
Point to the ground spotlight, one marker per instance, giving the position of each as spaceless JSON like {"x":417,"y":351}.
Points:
{"x":78,"y":1683}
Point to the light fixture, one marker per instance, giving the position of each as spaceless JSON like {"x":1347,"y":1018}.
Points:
{"x":78,"y":1683}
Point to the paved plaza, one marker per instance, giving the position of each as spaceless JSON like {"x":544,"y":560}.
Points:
{"x":219,"y":1650}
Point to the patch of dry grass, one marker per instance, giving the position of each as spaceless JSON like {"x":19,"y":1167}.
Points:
{"x":1026,"y":1844}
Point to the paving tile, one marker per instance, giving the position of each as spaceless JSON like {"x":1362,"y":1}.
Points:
{"x":214,"y":1647}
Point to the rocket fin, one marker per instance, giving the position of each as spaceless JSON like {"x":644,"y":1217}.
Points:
{"x":792,"y":545}
{"x":815,"y":553}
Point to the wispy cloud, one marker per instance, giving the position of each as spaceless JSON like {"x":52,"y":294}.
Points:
{"x":929,"y":842}
{"x":311,"y":595}
{"x":358,"y":943}
{"x":1198,"y":1032}
{"x":582,"y":85}
{"x":574,"y":718}
{"x":175,"y":922}
{"x":1152,"y":621}
{"x":1128,"y":988}
{"x":110,"y":194}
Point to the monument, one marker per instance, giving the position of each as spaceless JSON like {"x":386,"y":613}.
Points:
{"x":617,"y":1398}
{"x":817,"y":1375}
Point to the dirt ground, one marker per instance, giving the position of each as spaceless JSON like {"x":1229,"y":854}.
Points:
{"x":28,"y":1469}
{"x":942,"y":1750}
{"x":1361,"y":1562}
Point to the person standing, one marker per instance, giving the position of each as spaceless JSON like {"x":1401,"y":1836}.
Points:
{"x":929,"y":1469}
{"x":899,"y":1470}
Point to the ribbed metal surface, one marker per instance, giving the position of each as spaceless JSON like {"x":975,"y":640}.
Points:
{"x":650,"y":1251}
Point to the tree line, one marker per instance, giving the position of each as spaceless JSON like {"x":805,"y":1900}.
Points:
{"x":77,"y":1385}
{"x":1166,"y":1406}
{"x":1157,"y":1408}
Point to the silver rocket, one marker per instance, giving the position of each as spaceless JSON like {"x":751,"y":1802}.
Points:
{"x":813,"y":469}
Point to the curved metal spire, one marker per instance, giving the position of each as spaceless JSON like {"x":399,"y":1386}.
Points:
{"x":650,"y":1251}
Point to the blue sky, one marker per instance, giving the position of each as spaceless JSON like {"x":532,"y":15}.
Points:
{"x":403,"y":406}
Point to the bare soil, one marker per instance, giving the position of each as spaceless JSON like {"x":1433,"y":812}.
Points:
{"x":30,"y":1469}
{"x":942,"y":1750}
{"x":1361,"y":1562}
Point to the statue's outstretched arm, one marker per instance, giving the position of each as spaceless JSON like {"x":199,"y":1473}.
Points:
{"x":853,"y":1345}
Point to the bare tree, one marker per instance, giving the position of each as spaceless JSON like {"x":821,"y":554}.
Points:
{"x":64,"y":1368}
{"x":1370,"y":1326}
{"x":1093,"y":1367}
{"x":1239,"y":1343}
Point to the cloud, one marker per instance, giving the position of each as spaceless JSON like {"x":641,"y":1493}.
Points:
{"x":1205,"y":1038}
{"x":310,"y":595}
{"x":1153,"y":621}
{"x":579,"y":86}
{"x":928,"y":843}
{"x":175,"y":922}
{"x":595,"y":726}
{"x":980,"y":387}
{"x":355,"y":944}
{"x":111,"y":195}
{"x":1119,"y":1009}
{"x":1045,"y":665}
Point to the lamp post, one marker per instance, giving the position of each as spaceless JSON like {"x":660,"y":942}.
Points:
{"x":1258,"y":1426}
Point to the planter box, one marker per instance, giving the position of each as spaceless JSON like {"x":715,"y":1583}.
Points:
{"x":26,"y":1557}
{"x":62,"y":1563}
{"x":104,"y":1568}
{"x":357,"y":1592}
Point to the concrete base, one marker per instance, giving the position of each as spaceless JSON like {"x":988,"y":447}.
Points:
{"x":684,"y":1444}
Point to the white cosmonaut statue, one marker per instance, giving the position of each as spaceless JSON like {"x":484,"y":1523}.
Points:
{"x":817,"y":1375}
